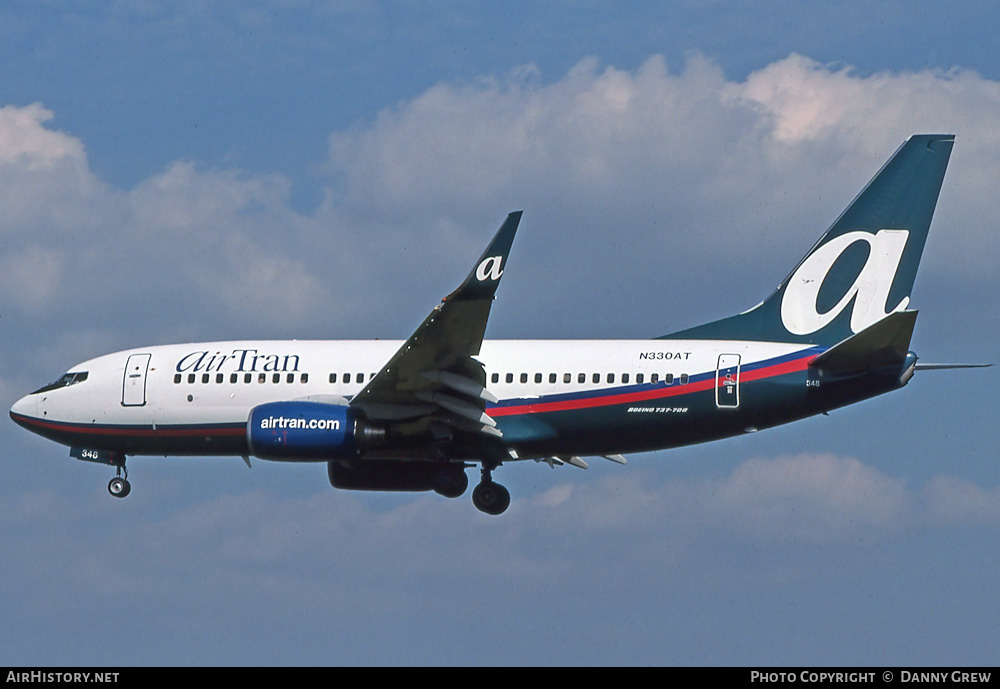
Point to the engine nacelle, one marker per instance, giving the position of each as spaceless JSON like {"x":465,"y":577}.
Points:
{"x":303,"y":431}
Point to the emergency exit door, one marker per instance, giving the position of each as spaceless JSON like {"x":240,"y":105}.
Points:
{"x":727,"y":381}
{"x":134,"y":385}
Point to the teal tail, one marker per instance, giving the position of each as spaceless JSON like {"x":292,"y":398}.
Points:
{"x":862,"y":269}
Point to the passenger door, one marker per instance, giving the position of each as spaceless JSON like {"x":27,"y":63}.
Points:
{"x":727,"y":381}
{"x":134,"y":383}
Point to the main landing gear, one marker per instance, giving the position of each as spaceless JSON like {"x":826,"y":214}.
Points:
{"x":451,"y":482}
{"x":119,"y":486}
{"x":489,"y":497}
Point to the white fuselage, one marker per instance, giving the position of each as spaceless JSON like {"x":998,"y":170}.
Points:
{"x":205,"y":387}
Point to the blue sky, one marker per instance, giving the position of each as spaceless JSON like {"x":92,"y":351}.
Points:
{"x":190,"y":171}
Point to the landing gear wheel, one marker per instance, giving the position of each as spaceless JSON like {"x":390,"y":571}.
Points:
{"x":119,"y":487}
{"x":452,"y":483}
{"x":491,"y":498}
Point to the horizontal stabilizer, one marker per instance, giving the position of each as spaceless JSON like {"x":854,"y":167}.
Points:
{"x":885,"y":343}
{"x":946,"y":367}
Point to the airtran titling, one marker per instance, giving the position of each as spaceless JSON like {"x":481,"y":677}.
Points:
{"x":241,"y":360}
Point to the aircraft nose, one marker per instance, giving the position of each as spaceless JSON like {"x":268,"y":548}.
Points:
{"x":24,"y":407}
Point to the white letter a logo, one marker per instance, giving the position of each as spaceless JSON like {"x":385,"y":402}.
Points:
{"x":489,"y":268}
{"x":799,"y":312}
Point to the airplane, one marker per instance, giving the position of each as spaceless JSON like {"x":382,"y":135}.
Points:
{"x":415,"y":415}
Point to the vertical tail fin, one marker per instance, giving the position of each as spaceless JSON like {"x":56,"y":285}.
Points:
{"x":862,"y":268}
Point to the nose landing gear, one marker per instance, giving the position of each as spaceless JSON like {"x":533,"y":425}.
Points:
{"x":119,"y":486}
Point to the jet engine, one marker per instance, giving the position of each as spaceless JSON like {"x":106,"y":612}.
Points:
{"x":303,"y":431}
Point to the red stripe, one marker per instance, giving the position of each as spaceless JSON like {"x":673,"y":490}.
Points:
{"x":778,"y":369}
{"x":645,"y":395}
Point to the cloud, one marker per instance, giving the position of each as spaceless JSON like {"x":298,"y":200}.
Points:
{"x":813,"y":497}
{"x":951,"y":500}
{"x":605,"y":131}
{"x":594,"y":132}
{"x":674,"y":173}
{"x":34,"y":274}
{"x":622,"y":550}
{"x":25,"y":142}
{"x":46,"y":187}
{"x":247,"y":542}
{"x":804,"y":100}
{"x":186,"y":241}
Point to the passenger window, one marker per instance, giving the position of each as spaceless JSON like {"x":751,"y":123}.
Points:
{"x":291,"y":378}
{"x":360,"y":378}
{"x":305,"y":377}
{"x":669,"y":379}
{"x":639,"y":377}
{"x":495,"y":377}
{"x":524,"y":377}
{"x":262,"y":378}
{"x":247,"y":377}
{"x":624,"y":377}
{"x":582,"y":378}
{"x":611,"y":377}
{"x":177,"y":377}
{"x":333,"y":377}
{"x":538,"y":377}
{"x":567,"y":377}
{"x":347,"y":377}
{"x":219,"y":378}
{"x":552,"y":377}
{"x":684,"y":379}
{"x":233,"y":378}
{"x":597,"y":377}
{"x":510,"y":378}
{"x":654,"y":377}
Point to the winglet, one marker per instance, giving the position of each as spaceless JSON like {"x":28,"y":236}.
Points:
{"x":482,"y":282}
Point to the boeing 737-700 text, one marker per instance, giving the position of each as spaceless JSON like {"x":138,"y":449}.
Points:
{"x":415,"y":415}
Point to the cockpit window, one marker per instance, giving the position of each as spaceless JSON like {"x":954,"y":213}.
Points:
{"x":71,"y":378}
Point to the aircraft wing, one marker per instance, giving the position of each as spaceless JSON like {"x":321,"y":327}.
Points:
{"x":434,"y":374}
